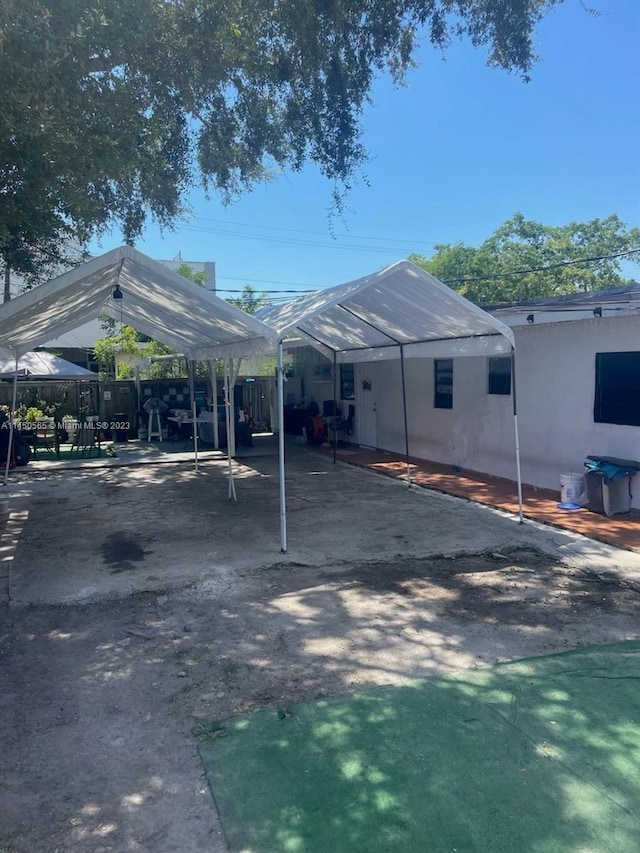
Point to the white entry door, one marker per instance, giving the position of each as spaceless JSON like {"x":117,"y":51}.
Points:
{"x":366,"y":420}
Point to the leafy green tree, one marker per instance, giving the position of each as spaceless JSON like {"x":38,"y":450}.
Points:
{"x":186,"y":271}
{"x":104,"y":350}
{"x":249,"y":301}
{"x":33,"y":245}
{"x":111,"y":109}
{"x":525,"y":260}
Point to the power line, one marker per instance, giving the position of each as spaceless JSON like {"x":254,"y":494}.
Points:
{"x":273,"y":296}
{"x":229,"y":290}
{"x":258,"y":280}
{"x":290,"y":241}
{"x":407,"y":241}
{"x":543,"y":268}
{"x":557,"y":265}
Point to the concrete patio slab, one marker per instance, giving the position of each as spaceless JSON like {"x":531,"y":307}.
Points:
{"x":99,"y":533}
{"x":103,"y":695}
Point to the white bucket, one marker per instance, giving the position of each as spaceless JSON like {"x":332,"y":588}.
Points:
{"x":571,"y":488}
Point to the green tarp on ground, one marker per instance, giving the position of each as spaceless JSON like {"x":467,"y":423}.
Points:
{"x":67,"y":453}
{"x":538,"y":755}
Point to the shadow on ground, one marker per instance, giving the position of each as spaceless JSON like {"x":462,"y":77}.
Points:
{"x":96,"y":722}
{"x":540,"y":755}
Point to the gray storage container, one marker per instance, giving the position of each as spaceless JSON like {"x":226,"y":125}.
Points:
{"x":609,"y":484}
{"x":608,"y":497}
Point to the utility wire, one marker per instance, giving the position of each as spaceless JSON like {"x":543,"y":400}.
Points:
{"x":291,"y":241}
{"x":557,"y":265}
{"x":543,"y":268}
{"x":408,"y":241}
{"x":258,"y":280}
{"x":255,"y":292}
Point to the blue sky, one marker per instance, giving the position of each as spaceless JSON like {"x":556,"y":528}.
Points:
{"x":457,"y":151}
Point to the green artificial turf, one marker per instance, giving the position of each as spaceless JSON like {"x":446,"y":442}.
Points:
{"x":537,"y":755}
{"x":68,"y":453}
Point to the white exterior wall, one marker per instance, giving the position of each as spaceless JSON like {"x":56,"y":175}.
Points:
{"x":555,"y":366}
{"x":556,"y":389}
{"x":477,"y":433}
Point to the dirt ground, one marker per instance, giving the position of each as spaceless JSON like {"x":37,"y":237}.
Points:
{"x":102,"y":697}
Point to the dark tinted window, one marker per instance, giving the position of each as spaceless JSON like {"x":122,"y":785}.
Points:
{"x":347,"y":381}
{"x":443,"y":383}
{"x":499,"y":381}
{"x":617,"y":388}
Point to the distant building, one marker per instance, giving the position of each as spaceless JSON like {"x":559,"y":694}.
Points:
{"x":197,"y":266}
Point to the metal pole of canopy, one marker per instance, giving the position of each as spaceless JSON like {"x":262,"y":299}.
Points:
{"x":517,"y":437}
{"x":138,"y":394}
{"x":11,"y":423}
{"x":213,"y":372}
{"x":227,"y":408}
{"x":404,"y":412}
{"x":335,"y":406}
{"x":194,"y":416}
{"x":234,"y":367}
{"x":283,"y":499}
{"x":230,"y":407}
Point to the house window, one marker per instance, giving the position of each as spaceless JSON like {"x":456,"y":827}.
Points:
{"x":617,"y":399}
{"x":347,"y":381}
{"x":443,"y":383}
{"x":499,"y":377}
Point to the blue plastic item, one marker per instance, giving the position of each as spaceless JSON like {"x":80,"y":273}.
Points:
{"x":611,"y":468}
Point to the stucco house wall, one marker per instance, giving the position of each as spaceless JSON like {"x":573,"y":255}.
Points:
{"x":555,"y":366}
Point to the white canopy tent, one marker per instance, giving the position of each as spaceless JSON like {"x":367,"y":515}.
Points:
{"x":399,"y":312}
{"x":135,"y":290}
{"x":45,"y":366}
{"x":155,"y":300}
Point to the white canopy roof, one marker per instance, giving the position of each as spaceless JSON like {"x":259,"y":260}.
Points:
{"x":45,"y":366}
{"x":369,"y":318}
{"x":155,"y":300}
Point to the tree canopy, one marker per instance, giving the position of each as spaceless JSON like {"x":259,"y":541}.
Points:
{"x":197,"y":277}
{"x":525,"y":260}
{"x":249,"y":300}
{"x":110,"y":109}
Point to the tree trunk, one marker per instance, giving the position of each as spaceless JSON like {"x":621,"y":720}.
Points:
{"x":7,"y":283}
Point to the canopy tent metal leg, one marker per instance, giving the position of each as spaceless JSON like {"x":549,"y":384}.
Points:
{"x":234,"y":370}
{"x":213,"y":374}
{"x":283,"y":499}
{"x":404,"y":412}
{"x":11,"y":423}
{"x":138,"y":392}
{"x":227,"y":409}
{"x":194,"y":416}
{"x":335,"y":405}
{"x":517,"y":437}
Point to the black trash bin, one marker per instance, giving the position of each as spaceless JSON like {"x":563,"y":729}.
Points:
{"x":120,"y":428}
